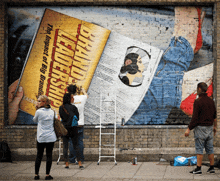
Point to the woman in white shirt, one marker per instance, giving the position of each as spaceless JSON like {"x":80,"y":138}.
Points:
{"x":46,"y":137}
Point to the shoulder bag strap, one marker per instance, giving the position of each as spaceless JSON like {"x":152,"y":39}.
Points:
{"x":65,"y":110}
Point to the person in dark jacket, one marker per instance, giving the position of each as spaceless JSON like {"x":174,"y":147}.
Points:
{"x":67,"y":112}
{"x":204,"y":116}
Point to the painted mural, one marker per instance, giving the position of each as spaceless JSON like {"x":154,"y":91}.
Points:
{"x":151,"y":60}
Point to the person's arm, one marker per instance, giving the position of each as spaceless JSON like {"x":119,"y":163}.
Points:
{"x":194,"y":119}
{"x":187,"y":132}
{"x":76,"y":112}
{"x":84,"y":92}
{"x":35,"y":119}
{"x":215,"y":126}
{"x":62,"y":114}
{"x":215,"y":120}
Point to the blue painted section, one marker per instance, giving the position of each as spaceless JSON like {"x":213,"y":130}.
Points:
{"x":165,"y":91}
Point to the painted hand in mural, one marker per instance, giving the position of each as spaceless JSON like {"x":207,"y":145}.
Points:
{"x":14,"y":101}
{"x":190,"y":26}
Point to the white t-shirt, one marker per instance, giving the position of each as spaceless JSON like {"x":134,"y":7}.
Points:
{"x":79,"y":102}
{"x":45,"y":129}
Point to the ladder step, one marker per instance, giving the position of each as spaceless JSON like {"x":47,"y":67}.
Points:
{"x":107,"y":133}
{"x":109,"y":145}
{"x":99,"y":127}
{"x":108,"y":101}
{"x":107,"y":111}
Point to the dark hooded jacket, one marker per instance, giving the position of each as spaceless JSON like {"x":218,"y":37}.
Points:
{"x":67,"y":118}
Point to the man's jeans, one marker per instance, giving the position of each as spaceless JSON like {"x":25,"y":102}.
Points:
{"x":72,"y":155}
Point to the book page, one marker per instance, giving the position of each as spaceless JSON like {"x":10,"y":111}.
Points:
{"x":124,"y":73}
{"x":65,"y":51}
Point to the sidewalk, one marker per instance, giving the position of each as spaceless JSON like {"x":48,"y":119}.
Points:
{"x":106,"y":171}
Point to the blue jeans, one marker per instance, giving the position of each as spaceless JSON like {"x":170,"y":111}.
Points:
{"x":73,"y":136}
{"x":165,"y":91}
{"x":72,"y":155}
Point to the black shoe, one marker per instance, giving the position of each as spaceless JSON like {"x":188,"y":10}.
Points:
{"x":48,"y":178}
{"x":82,"y":167}
{"x":196,"y":171}
{"x":37,"y":177}
{"x":67,"y":167}
{"x":211,"y":170}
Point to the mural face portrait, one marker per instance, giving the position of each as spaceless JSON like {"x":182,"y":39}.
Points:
{"x":140,"y":65}
{"x":131,"y":72}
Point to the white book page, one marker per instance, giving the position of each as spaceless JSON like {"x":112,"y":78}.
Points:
{"x":107,"y":82}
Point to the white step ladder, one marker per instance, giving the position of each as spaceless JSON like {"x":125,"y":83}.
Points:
{"x":107,"y":116}
{"x":60,"y":149}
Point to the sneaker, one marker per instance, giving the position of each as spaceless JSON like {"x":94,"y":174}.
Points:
{"x":37,"y":177}
{"x":196,"y":171}
{"x":48,"y":178}
{"x":211,"y":170}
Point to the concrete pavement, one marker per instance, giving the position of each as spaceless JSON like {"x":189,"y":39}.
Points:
{"x":108,"y":171}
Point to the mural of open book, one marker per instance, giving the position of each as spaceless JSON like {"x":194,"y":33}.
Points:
{"x":67,"y":51}
{"x":64,"y":51}
{"x":129,"y":63}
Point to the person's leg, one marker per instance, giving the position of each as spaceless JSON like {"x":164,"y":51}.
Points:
{"x":80,"y":142}
{"x":199,"y":160}
{"x":212,"y":164}
{"x":199,"y":146}
{"x":197,"y":170}
{"x":49,"y":151}
{"x":77,"y":150}
{"x":72,"y":152}
{"x":65,"y":150}
{"x":74,"y":138}
{"x":40,"y":151}
{"x":72,"y":155}
{"x":210,"y":150}
{"x":211,"y":159}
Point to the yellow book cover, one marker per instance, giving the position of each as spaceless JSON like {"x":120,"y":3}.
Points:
{"x":65,"y":51}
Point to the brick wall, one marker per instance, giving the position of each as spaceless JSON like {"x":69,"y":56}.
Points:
{"x":145,"y":141}
{"x":148,"y":143}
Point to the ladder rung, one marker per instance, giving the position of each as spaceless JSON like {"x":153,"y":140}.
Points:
{"x":109,"y":145}
{"x":108,"y":133}
{"x":107,"y":111}
{"x":107,"y":101}
{"x":99,"y":127}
